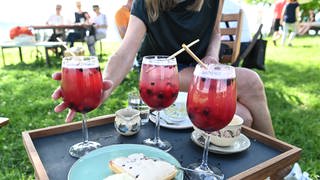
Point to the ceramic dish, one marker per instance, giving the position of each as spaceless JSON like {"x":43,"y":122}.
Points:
{"x":94,"y":165}
{"x":241,"y":144}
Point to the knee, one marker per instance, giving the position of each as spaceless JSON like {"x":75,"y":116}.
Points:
{"x":245,"y":114}
{"x":250,"y":79}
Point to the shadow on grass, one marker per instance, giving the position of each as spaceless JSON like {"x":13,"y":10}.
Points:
{"x":292,"y":75}
{"x":37,"y":63}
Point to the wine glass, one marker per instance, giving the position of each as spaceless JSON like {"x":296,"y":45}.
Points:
{"x":81,"y":86}
{"x":211,"y":104}
{"x":159,"y":88}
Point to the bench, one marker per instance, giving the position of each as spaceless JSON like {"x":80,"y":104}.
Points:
{"x":45,"y":44}
{"x":304,"y":27}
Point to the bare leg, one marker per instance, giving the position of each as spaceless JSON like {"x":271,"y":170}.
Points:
{"x":244,"y":112}
{"x":252,"y":104}
{"x":185,"y":77}
{"x":251,"y":95}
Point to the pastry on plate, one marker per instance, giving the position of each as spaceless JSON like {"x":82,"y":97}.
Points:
{"x":140,"y":167}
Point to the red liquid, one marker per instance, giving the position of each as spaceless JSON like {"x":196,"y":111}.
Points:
{"x":159,"y":85}
{"x":81,"y":88}
{"x":211,"y":103}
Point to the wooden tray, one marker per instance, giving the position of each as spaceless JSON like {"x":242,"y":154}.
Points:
{"x":286,"y":156}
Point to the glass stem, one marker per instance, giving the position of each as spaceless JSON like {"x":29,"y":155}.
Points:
{"x":84,"y":128}
{"x":157,"y":129}
{"x":204,"y":164}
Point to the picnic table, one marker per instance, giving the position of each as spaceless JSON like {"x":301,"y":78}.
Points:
{"x":47,"y":149}
{"x":304,"y":27}
{"x":45,"y":44}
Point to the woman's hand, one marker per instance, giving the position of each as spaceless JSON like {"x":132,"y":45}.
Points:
{"x":210,"y":60}
{"x":62,"y":106}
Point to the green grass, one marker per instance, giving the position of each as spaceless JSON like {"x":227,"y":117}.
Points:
{"x":291,"y":81}
{"x":293,"y":91}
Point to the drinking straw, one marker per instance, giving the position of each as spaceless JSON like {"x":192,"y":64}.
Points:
{"x":68,"y":49}
{"x":194,"y":56}
{"x":182,"y":49}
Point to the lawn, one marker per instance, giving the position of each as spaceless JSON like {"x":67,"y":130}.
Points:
{"x":291,"y":81}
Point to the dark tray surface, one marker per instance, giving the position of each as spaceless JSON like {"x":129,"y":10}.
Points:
{"x":53,"y":150}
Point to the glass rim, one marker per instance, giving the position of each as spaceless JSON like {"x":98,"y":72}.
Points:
{"x":80,"y":62}
{"x":215,"y":71}
{"x":159,"y":60}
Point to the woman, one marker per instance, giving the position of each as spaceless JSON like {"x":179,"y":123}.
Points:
{"x":160,"y":27}
{"x":290,"y":19}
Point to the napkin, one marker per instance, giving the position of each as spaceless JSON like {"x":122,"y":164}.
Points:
{"x":297,"y":174}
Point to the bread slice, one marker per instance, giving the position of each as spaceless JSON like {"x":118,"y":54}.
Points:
{"x":143,"y":168}
{"x":121,"y":176}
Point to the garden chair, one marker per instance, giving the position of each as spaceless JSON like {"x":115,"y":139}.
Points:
{"x":233,"y":43}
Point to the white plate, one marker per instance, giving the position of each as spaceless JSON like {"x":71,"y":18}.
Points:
{"x":241,"y":144}
{"x":180,"y":122}
{"x":177,"y":125}
{"x":94,"y":165}
{"x":177,"y":112}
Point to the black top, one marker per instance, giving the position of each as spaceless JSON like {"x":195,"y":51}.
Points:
{"x":290,"y":12}
{"x":175,"y":27}
{"x":78,"y":16}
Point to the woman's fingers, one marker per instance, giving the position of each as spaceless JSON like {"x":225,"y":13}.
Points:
{"x":56,"y":76}
{"x":210,"y":60}
{"x":57,"y":93}
{"x":107,"y":84}
{"x":62,"y":106}
{"x":70,"y":116}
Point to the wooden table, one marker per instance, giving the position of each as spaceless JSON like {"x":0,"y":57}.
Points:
{"x":47,"y":149}
{"x":61,"y":27}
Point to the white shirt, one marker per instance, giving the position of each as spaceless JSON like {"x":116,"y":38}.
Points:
{"x":230,"y":6}
{"x":101,"y":19}
{"x":55,"y":20}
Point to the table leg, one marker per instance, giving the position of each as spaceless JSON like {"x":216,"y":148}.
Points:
{"x":20,"y":54}
{"x":4,"y":61}
{"x":47,"y":56}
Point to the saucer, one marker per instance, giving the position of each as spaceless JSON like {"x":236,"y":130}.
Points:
{"x":240,"y":145}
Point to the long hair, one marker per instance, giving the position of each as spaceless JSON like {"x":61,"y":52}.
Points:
{"x":154,"y":7}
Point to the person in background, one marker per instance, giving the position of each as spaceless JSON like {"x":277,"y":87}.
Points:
{"x":56,"y":19}
{"x":99,"y":30}
{"x":305,"y":27}
{"x":277,"y":13}
{"x":80,"y":18}
{"x":122,"y":18}
{"x":160,"y":27}
{"x":290,"y":19}
{"x":229,"y":7}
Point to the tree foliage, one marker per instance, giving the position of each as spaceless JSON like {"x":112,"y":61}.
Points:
{"x":305,"y":5}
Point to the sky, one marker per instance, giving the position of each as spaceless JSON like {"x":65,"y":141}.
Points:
{"x":36,"y":12}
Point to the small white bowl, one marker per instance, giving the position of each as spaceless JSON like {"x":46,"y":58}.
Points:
{"x":127,"y":121}
{"x":227,"y":135}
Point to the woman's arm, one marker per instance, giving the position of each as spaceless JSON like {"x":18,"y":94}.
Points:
{"x":212,"y":54}
{"x":121,"y":61}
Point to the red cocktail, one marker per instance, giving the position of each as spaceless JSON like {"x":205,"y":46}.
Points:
{"x":159,"y":87}
{"x":211,"y":105}
{"x":81,"y":86}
